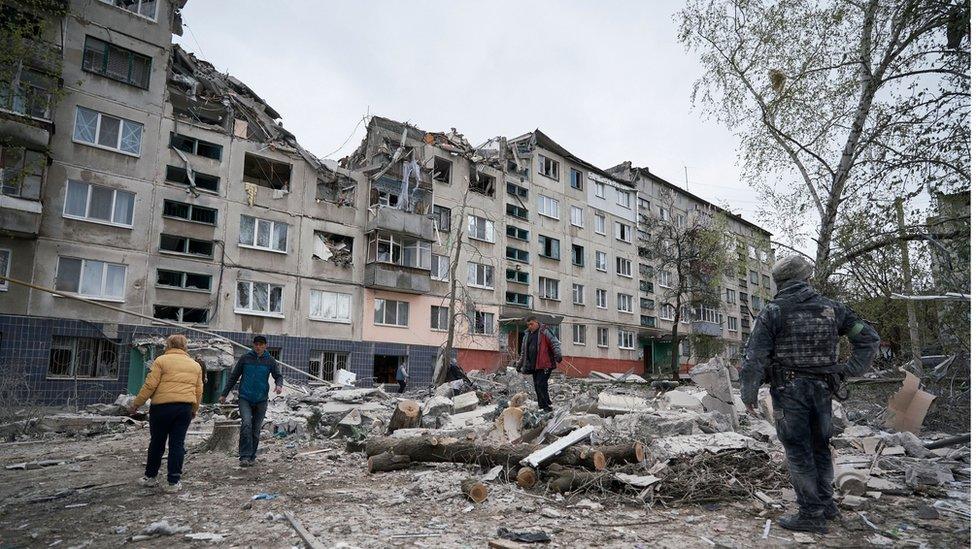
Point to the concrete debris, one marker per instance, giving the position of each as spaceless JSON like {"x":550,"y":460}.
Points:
{"x":438,"y":405}
{"x":677,"y":447}
{"x":465,"y":402}
{"x":610,"y":404}
{"x":164,"y":528}
{"x":680,"y":400}
{"x":713,"y":376}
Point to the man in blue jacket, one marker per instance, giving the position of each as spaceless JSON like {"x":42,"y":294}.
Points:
{"x":253,"y":369}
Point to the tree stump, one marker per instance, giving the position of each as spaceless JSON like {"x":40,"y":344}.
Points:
{"x":474,"y":489}
{"x":526,"y":478}
{"x":386,"y":462}
{"x":405,"y":416}
{"x":224,"y":438}
{"x":623,"y":453}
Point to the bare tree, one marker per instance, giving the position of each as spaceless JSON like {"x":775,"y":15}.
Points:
{"x":840,"y":106}
{"x":691,"y":247}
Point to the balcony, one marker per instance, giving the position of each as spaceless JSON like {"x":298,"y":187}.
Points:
{"x":19,"y":216}
{"x":706,"y":328}
{"x":648,"y":321}
{"x":389,"y":277}
{"x":391,"y":219}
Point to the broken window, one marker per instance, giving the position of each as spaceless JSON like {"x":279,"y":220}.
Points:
{"x":518,"y":233}
{"x":548,"y":167}
{"x":28,"y":92}
{"x":145,"y":8}
{"x":442,"y":170}
{"x":259,"y":297}
{"x":189,"y":212}
{"x":385,"y":368}
{"x":442,"y":217}
{"x":549,"y":247}
{"x":195,"y":146}
{"x":440,"y":267}
{"x":407,"y":252}
{"x":21,"y":172}
{"x":517,"y":276}
{"x":83,"y":357}
{"x":575,"y":179}
{"x":481,"y":323}
{"x":201,"y":181}
{"x":517,"y":212}
{"x":516,"y":254}
{"x":482,"y":182}
{"x":578,"y":255}
{"x":518,"y":299}
{"x":117,"y":63}
{"x":336,"y":248}
{"x":266,"y":172}
{"x":90,"y":278}
{"x":183,"y":280}
{"x":189,"y":315}
{"x":340,"y":190}
{"x":517,"y":190}
{"x":185,"y":245}
{"x":548,"y":288}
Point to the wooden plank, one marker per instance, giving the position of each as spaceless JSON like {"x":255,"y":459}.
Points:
{"x":310,"y":541}
{"x":547,"y":452}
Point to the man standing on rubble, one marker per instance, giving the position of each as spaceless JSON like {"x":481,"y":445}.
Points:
{"x":253,"y":369}
{"x":541,"y":352}
{"x":793,"y":347}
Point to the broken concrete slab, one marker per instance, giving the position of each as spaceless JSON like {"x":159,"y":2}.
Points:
{"x":465,"y":402}
{"x":713,"y":376}
{"x":609,"y":404}
{"x":437,"y":405}
{"x":676,"y":447}
{"x":925,"y":473}
{"x":477,"y":417}
{"x":644,"y":427}
{"x":680,"y":400}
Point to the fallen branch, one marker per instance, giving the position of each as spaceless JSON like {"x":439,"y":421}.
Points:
{"x":310,"y":541}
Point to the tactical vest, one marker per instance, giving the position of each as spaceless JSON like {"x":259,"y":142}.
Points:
{"x":807,"y":336}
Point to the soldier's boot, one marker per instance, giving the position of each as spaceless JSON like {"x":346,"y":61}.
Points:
{"x":831,"y":512}
{"x":804,"y":523}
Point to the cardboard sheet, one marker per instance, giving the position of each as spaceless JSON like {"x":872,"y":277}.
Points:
{"x":907,"y":408}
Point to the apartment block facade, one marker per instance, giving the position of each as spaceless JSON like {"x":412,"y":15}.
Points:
{"x":152,"y":183}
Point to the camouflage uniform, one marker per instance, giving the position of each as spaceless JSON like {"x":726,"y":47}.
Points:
{"x":793,"y":346}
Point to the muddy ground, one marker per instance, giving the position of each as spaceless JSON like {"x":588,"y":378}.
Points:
{"x":96,"y":502}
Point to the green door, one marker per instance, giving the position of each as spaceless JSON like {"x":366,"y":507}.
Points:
{"x":662,"y":356}
{"x":138,"y":367}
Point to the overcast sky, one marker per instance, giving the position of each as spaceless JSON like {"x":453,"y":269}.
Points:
{"x":608,"y":81}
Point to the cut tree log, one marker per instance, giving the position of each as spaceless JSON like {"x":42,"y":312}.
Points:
{"x":386,"y":462}
{"x":224,"y":438}
{"x":474,"y":489}
{"x":622,"y":453}
{"x":405,"y":416}
{"x":554,"y":449}
{"x":428,"y":449}
{"x":570,"y":480}
{"x":526,"y":478}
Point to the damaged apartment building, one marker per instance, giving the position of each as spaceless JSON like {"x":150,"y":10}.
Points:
{"x":152,"y":182}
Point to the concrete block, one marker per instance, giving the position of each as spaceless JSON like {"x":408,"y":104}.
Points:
{"x":465,"y":402}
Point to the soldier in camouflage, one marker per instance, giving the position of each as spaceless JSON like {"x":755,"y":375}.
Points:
{"x":793,"y":347}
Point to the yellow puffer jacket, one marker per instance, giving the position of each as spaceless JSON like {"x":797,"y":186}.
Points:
{"x":173,"y":377}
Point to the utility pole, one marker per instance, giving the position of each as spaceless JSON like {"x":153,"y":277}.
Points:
{"x":907,"y":287}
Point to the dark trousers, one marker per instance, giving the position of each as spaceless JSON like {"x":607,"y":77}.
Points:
{"x":402,"y":384}
{"x":803,"y":421}
{"x":252,"y":419}
{"x":168,"y":421}
{"x":540,"y":379}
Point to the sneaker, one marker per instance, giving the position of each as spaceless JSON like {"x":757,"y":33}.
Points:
{"x":149,"y":482}
{"x":802,"y":523}
{"x":172,"y":488}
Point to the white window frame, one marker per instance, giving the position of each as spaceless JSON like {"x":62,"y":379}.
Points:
{"x":730,"y":296}
{"x":104,"y":276}
{"x":272,"y":229}
{"x":600,"y":224}
{"x":579,"y":291}
{"x":138,"y":6}
{"x":548,"y":288}
{"x":665,"y":279}
{"x":5,"y":270}
{"x":628,"y":232}
{"x":548,"y":206}
{"x":623,"y":335}
{"x":487,"y":323}
{"x":488,"y":229}
{"x":623,"y":199}
{"x":336,"y":298}
{"x":732,"y":323}
{"x":601,"y":298}
{"x":404,"y":310}
{"x":447,"y":318}
{"x":600,"y":190}
{"x":625,"y":303}
{"x":481,"y":274}
{"x":545,"y":163}
{"x":88,"y":199}
{"x":579,"y":334}
{"x":249,"y":310}
{"x":98,"y":129}
{"x":598,"y":263}
{"x":602,"y":337}
{"x":623,"y":261}
{"x":576,"y":216}
{"x":666,"y":311}
{"x":440,"y":270}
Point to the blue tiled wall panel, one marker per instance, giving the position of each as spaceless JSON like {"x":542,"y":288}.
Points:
{"x":25,"y":347}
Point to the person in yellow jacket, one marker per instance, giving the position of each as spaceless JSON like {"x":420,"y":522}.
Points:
{"x":175,"y":387}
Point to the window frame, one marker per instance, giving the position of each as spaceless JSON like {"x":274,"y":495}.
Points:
{"x":579,"y":334}
{"x":596,"y":261}
{"x":521,"y":277}
{"x":509,"y":229}
{"x":186,"y":252}
{"x":579,"y":294}
{"x":576,"y":214}
{"x":600,"y":190}
{"x":438,"y":212}
{"x":405,"y":310}
{"x":482,"y":272}
{"x":337,"y":319}
{"x":433,"y":170}
{"x":131,"y":57}
{"x":625,"y":203}
{"x":629,"y":301}
{"x":88,"y":203}
{"x":447,"y":318}
{"x":488,"y":324}
{"x":605,"y":297}
{"x":546,"y":242}
{"x":600,"y":224}
{"x":257,"y":312}
{"x":519,"y":255}
{"x":548,"y":206}
{"x":602,"y":336}
{"x":447,"y":267}
{"x":73,"y":368}
{"x":628,"y":231}
{"x":546,"y":285}
{"x":581,"y":256}
{"x":516,"y":211}
{"x":626,"y":262}
{"x":196,"y":146}
{"x":183,"y":286}
{"x":488,"y":229}
{"x":629,"y":335}
{"x":191,"y":207}
{"x":136,"y":13}
{"x":546,"y":162}
{"x":104,"y":278}
{"x":575,"y":179}
{"x":5,"y":271}
{"x":254,"y":235}
{"x":98,"y":128}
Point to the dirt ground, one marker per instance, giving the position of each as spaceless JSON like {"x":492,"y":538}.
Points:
{"x":96,"y":502}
